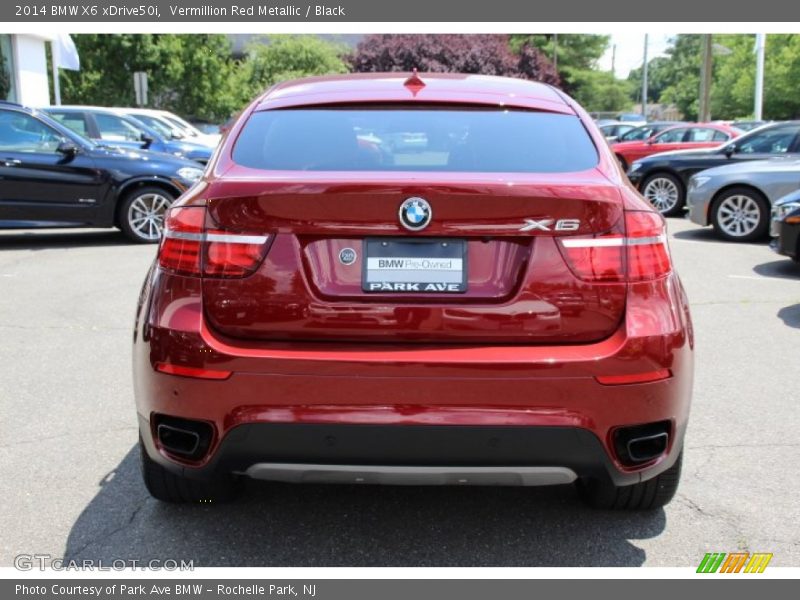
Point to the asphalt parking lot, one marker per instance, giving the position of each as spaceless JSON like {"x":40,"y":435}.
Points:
{"x":69,"y":466}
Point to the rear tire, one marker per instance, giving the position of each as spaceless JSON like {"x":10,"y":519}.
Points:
{"x":740,"y":214}
{"x":166,"y":486}
{"x":665,"y":193}
{"x":141,"y":214}
{"x":647,"y":495}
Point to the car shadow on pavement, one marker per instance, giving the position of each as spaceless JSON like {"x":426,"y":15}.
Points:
{"x":63,"y":238}
{"x":327,"y":525}
{"x":780,"y":269}
{"x":790,"y":315}
{"x":706,"y":234}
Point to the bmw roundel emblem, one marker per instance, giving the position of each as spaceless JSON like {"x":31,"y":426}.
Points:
{"x":415,"y":214}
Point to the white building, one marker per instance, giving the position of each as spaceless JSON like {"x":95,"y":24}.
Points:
{"x":23,"y":69}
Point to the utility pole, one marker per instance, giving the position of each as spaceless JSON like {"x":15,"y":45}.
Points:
{"x":54,"y":55}
{"x":614,"y":60}
{"x":644,"y":79}
{"x":761,"y":42}
{"x":704,"y":112}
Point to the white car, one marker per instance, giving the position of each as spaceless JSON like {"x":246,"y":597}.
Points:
{"x":176,"y":126}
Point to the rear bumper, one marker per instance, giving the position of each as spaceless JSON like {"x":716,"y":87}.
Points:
{"x":698,"y":204}
{"x":357,"y":405}
{"x":786,"y":240}
{"x":408,"y":454}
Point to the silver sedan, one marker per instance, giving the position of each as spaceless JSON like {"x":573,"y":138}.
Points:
{"x":736,"y":199}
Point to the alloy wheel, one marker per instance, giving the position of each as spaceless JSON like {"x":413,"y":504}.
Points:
{"x":662,"y":193}
{"x":146,"y":215}
{"x":738,"y":215}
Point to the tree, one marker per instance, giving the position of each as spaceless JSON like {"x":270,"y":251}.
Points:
{"x":682,"y":75}
{"x":214,"y":95}
{"x":190,"y":74}
{"x":481,"y":54}
{"x":576,"y":51}
{"x":658,"y":79}
{"x":277,"y":58}
{"x":733,"y":92}
{"x":5,"y":77}
{"x":676,"y":77}
{"x":577,"y":61}
{"x":600,"y":91}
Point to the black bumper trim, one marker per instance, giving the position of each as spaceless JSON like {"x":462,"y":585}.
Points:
{"x":409,"y":445}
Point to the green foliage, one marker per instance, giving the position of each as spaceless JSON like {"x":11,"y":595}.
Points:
{"x":201,"y":80}
{"x":5,"y":76}
{"x":277,"y":58}
{"x":193,"y":75}
{"x":577,"y":59}
{"x":733,"y":92}
{"x":574,"y":50}
{"x":658,"y":79}
{"x":189,"y":74}
{"x":682,"y":75}
{"x":675,"y":78}
{"x":600,"y":91}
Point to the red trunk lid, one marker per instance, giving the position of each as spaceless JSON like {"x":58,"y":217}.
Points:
{"x":310,"y":286}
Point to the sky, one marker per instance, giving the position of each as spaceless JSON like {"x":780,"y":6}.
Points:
{"x":630,"y":47}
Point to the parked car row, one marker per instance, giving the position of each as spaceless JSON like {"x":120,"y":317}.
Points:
{"x":683,"y":136}
{"x":102,"y":166}
{"x":735,"y":186}
{"x":617,"y":131}
{"x":121,"y":128}
{"x":63,"y":167}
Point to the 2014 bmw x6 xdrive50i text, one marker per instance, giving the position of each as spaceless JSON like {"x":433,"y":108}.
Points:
{"x":443,"y":279}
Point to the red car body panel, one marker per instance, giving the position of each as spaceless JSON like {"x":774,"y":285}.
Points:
{"x":325,"y":300}
{"x":631,"y":151}
{"x":297,"y":341}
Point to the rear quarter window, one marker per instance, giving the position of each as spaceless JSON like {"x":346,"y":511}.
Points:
{"x":415,"y":139}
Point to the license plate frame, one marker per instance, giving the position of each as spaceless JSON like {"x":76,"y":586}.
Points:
{"x":438,"y":278}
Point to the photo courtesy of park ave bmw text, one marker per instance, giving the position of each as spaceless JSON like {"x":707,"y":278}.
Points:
{"x":432,"y":299}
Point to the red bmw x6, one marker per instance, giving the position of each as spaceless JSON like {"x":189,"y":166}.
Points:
{"x":439,"y":279}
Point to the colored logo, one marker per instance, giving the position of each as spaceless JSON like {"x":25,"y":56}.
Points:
{"x":347,"y":256}
{"x":734,"y":562}
{"x":415,"y":214}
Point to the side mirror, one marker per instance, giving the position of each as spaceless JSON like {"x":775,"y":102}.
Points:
{"x":67,"y":148}
{"x":731,"y":150}
{"x":148,"y":141}
{"x":650,"y":141}
{"x":176,"y":135}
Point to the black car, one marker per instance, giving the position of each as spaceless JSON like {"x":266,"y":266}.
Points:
{"x":785,"y":226}
{"x":52,"y":177}
{"x":669,"y":172}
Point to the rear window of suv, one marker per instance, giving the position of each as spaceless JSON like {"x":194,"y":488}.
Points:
{"x":415,"y":139}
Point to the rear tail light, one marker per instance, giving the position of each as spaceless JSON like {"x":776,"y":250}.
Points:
{"x":648,"y":253}
{"x":188,"y":248}
{"x":641,"y":254}
{"x":180,"y":244}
